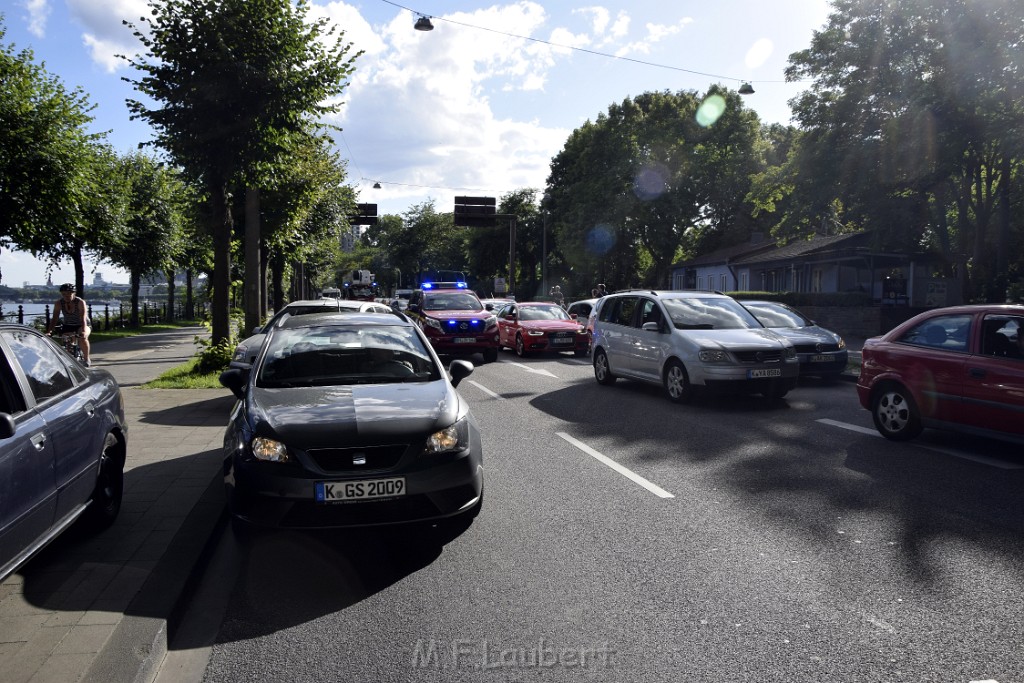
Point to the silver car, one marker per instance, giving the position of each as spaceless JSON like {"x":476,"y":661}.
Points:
{"x":690,"y":340}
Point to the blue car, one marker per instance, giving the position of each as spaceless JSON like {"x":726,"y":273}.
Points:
{"x":62,"y":444}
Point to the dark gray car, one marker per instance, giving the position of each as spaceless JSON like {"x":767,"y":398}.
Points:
{"x":350,"y":420}
{"x":62,"y":444}
{"x":821,"y":352}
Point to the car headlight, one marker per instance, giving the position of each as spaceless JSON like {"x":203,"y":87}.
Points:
{"x":490,"y":321}
{"x":269,"y":450}
{"x":841,"y":342}
{"x":535,"y":333}
{"x":581,"y":330}
{"x":714,"y":356}
{"x":453,"y":438}
{"x":790,"y":352}
{"x":431,"y":322}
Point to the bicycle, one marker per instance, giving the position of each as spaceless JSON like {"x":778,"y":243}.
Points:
{"x":69,"y":340}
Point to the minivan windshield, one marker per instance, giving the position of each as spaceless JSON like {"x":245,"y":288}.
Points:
{"x":706,"y":313}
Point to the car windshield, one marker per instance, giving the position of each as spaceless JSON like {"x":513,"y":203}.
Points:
{"x":542,"y":313}
{"x":700,"y":313}
{"x":289,"y":311}
{"x":332,"y":355}
{"x":774,"y":315}
{"x":454,"y":301}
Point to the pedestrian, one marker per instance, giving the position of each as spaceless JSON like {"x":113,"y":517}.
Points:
{"x":556,"y":295}
{"x":601,"y":291}
{"x":593,"y":293}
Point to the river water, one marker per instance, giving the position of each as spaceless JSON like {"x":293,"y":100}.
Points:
{"x":9,"y":310}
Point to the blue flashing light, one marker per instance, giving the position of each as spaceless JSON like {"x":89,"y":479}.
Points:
{"x":460,"y":285}
{"x":428,"y":285}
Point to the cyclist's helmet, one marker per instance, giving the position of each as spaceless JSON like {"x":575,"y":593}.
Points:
{"x":67,"y":287}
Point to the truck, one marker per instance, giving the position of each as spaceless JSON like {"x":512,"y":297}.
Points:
{"x":359,"y":285}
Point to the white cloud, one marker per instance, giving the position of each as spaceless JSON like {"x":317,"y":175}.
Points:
{"x":656,"y":33}
{"x":419,"y":114}
{"x":38,"y":13}
{"x":759,"y":53}
{"x":105,"y":36}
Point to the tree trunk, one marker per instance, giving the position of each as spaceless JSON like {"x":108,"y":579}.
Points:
{"x":252,"y":298}
{"x":278,"y":270}
{"x":136,"y":280}
{"x":170,"y":295}
{"x":190,"y":306}
{"x":220,"y":315}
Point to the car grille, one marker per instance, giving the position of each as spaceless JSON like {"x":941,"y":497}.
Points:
{"x":466,"y":327}
{"x":757,"y":357}
{"x":345,"y":459}
{"x":816,"y":348}
{"x":562,"y":335}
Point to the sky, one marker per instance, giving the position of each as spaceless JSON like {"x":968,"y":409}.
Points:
{"x":478,"y":106}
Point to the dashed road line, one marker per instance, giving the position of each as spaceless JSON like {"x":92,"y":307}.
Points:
{"x":629,"y":474}
{"x":486,"y":390}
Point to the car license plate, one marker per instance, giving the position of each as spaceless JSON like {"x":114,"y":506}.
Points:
{"x":366,"y":489}
{"x":821,"y":359}
{"x":770,"y":372}
{"x":464,"y":340}
{"x":562,"y":340}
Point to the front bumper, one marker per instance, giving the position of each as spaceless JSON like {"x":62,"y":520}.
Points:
{"x":278,"y":496}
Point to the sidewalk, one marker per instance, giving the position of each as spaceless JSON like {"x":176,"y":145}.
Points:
{"x":97,"y":608}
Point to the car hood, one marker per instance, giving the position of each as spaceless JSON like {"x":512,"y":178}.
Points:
{"x":320,"y":417}
{"x":749,"y":338}
{"x":549,"y":324}
{"x":807,"y":335}
{"x":458,"y":314}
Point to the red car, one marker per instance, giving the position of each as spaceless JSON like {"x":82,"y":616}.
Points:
{"x":959,"y":368}
{"x":454,"y":320}
{"x":540,"y":326}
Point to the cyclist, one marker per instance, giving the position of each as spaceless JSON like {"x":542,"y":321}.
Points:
{"x":76,"y":317}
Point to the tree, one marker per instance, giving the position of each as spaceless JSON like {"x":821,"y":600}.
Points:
{"x":153,"y":222}
{"x":913,"y":123}
{"x":651,"y":175}
{"x":238,"y":83}
{"x":47,"y":160}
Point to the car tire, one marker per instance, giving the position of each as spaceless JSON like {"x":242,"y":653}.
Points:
{"x":105,"y":502}
{"x":602,"y":370}
{"x":490,"y":355}
{"x":676,"y":382}
{"x":520,"y":346}
{"x":895,"y":413}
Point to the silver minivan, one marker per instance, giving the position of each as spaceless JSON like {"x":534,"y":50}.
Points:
{"x":690,"y":340}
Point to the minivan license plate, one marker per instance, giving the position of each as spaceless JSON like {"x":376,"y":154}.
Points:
{"x":770,"y":372}
{"x":366,"y":489}
{"x":465,"y":340}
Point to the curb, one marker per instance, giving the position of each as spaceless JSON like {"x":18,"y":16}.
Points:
{"x":136,"y":648}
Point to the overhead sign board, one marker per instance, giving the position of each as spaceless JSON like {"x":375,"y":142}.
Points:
{"x":366,"y":214}
{"x":475,"y":212}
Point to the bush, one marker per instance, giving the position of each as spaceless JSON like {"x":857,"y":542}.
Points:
{"x":214,"y":357}
{"x":798,"y":299}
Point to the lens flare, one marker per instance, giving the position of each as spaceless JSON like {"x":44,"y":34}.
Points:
{"x":710,"y":110}
{"x":600,"y":239}
{"x":650,"y":183}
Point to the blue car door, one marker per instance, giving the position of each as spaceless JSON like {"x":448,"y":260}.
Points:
{"x":28,"y":489}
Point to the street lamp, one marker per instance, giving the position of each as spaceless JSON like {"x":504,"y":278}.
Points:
{"x":423,"y":24}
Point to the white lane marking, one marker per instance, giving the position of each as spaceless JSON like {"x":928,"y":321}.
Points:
{"x":984,"y":460}
{"x":629,"y":474}
{"x":486,"y":390}
{"x":533,"y":370}
{"x":852,"y":428}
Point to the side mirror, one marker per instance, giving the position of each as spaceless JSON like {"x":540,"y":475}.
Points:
{"x":235,"y":379}
{"x":459,"y":370}
{"x":651,"y":327}
{"x":489,"y":307}
{"x":256,"y":330}
{"x":6,"y":426}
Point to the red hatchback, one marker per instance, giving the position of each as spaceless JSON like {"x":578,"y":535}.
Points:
{"x":958,"y":368}
{"x":540,"y":326}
